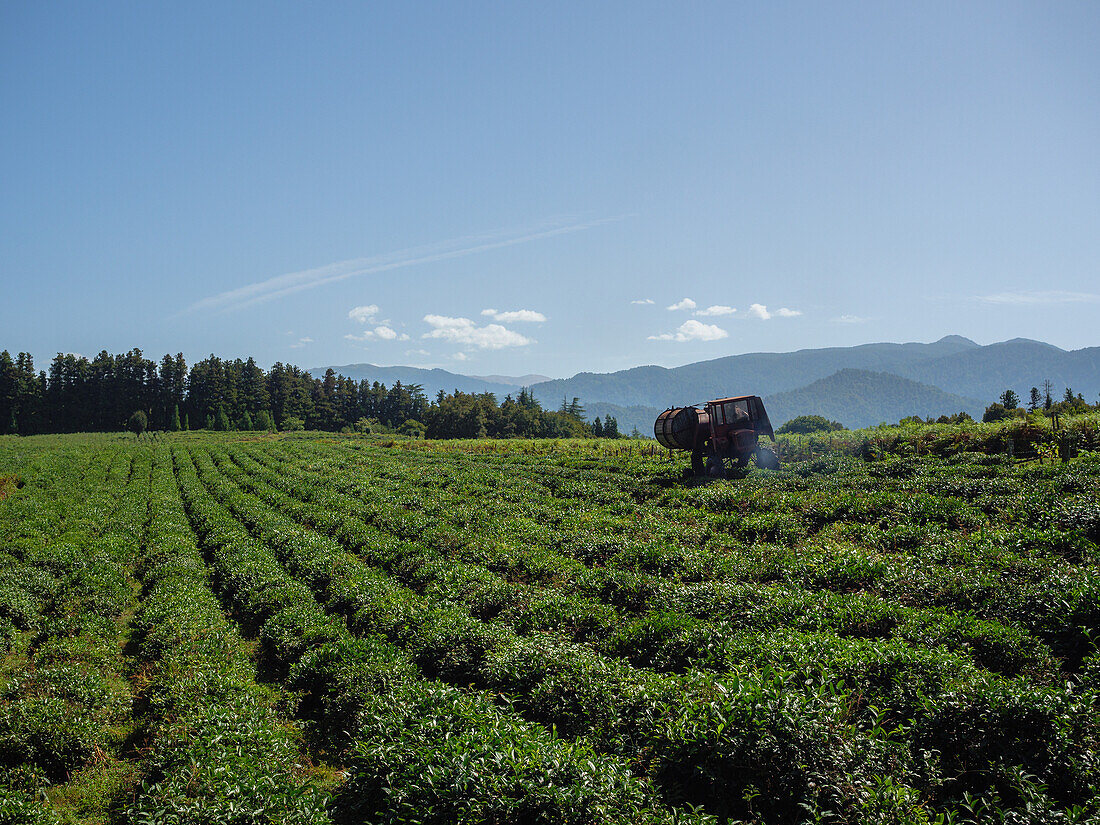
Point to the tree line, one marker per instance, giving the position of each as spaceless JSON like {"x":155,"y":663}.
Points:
{"x":110,"y":392}
{"x":1009,"y":405}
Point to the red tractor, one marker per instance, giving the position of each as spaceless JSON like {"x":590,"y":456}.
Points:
{"x":723,"y":436}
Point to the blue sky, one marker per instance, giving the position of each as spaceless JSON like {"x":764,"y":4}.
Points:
{"x":512,"y":188}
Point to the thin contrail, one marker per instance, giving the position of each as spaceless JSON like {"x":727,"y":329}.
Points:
{"x":283,"y":285}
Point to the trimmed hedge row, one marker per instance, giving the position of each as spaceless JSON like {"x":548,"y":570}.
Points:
{"x":1016,"y":575}
{"x":829,"y":759}
{"x":1057,"y":713}
{"x":67,"y":703}
{"x":373,"y":711}
{"x":589,"y":599}
{"x":216,"y":751}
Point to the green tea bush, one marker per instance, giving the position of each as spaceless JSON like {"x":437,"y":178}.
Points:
{"x":876,"y":634}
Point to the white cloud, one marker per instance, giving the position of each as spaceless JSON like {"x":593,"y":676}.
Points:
{"x":381,"y":332}
{"x":717,"y":309}
{"x":528,"y":315}
{"x":643,"y":301}
{"x":422,"y":352}
{"x":301,"y":343}
{"x":761,"y":311}
{"x":849,"y":319}
{"x":1048,"y":296}
{"x":686,"y":303}
{"x":465,"y":332}
{"x":460,"y":356}
{"x":364,"y":314}
{"x":692,"y":331}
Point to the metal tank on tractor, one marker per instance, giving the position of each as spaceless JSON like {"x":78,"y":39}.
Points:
{"x":723,"y":435}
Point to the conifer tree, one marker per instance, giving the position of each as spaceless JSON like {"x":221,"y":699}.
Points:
{"x":174,"y":424}
{"x":610,"y":426}
{"x":221,"y":420}
{"x":264,"y":421}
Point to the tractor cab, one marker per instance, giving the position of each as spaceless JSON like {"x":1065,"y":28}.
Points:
{"x":736,"y":425}
{"x":729,"y":416}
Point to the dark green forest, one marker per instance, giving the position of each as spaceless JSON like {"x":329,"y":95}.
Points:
{"x":104,"y":394}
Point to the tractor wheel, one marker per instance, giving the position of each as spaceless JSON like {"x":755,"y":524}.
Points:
{"x":715,"y":466}
{"x":766,"y":459}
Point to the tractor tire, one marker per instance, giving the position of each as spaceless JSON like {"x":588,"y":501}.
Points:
{"x":716,"y":468}
{"x":766,"y":459}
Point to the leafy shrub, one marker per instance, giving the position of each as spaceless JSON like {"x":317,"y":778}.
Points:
{"x":138,"y":423}
{"x":292,"y":423}
{"x":803,"y":424}
{"x":50,"y":733}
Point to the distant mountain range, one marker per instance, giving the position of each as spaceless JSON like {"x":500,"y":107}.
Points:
{"x":434,"y":380}
{"x":759,"y":373}
{"x":861,"y":398}
{"x":514,"y":380}
{"x":858,"y":386}
{"x":944,"y":377}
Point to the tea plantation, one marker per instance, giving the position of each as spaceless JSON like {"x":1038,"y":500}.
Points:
{"x":336,"y":629}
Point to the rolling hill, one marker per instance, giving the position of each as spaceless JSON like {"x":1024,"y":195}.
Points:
{"x":513,"y":380}
{"x":857,"y":386}
{"x":862,"y":398}
{"x":432,"y":380}
{"x":760,"y":373}
{"x":968,"y":375}
{"x":1020,"y":364}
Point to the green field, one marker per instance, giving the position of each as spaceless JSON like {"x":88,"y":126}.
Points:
{"x":318,"y":628}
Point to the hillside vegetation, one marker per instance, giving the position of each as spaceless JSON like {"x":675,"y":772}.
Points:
{"x":957,"y":371}
{"x":859,"y":398}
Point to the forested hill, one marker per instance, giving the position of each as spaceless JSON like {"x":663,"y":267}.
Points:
{"x":1017,"y":364}
{"x":954,"y":365}
{"x":758,"y":373}
{"x":430,"y":380}
{"x":861,"y":398}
